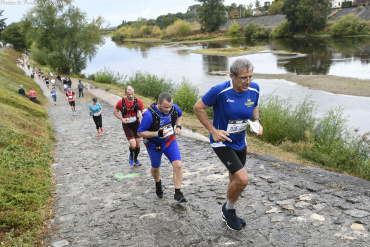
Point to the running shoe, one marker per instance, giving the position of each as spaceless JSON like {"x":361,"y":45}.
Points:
{"x":98,"y":134}
{"x":131,"y":160}
{"x":241,"y":221}
{"x":75,"y":109}
{"x":138,"y":163}
{"x":158,"y":190}
{"x":179,"y":197}
{"x":74,"y":113}
{"x":231,"y":219}
{"x":101,"y":129}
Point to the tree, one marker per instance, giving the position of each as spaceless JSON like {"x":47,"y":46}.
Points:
{"x":2,"y":22}
{"x":212,"y":14}
{"x":275,"y":7}
{"x":258,"y":4}
{"x":306,"y":15}
{"x":63,"y":38}
{"x":12,"y":34}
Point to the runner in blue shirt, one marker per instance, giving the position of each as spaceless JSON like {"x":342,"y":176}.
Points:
{"x":234,"y":102}
{"x":158,"y":129}
{"x":54,"y":95}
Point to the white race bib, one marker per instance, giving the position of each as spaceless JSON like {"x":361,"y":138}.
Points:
{"x":236,"y":126}
{"x":96,"y":114}
{"x":131,"y":119}
{"x":170,"y":130}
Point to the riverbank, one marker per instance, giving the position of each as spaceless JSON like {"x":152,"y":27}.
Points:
{"x":327,"y":83}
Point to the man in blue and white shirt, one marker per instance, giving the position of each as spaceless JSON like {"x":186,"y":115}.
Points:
{"x":234,"y":102}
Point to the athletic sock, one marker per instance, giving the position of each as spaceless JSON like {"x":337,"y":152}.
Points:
{"x":137,"y":151}
{"x":132,"y":151}
{"x":177,"y":191}
{"x":229,"y":205}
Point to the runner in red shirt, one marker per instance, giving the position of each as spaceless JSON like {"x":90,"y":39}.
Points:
{"x":131,"y":110}
{"x":70,"y":96}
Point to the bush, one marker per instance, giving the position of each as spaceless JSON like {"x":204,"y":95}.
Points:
{"x":108,"y":76}
{"x":186,"y":95}
{"x":349,"y":25}
{"x":281,"y":30}
{"x":156,"y":31}
{"x":179,"y":28}
{"x":326,"y":140}
{"x":347,"y":4}
{"x":234,"y":30}
{"x":150,"y":85}
{"x":255,"y":31}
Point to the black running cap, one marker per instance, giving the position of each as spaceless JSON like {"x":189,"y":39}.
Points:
{"x":95,"y":99}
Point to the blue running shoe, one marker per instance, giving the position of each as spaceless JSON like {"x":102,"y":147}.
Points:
{"x":131,"y":160}
{"x":231,"y":219}
{"x":137,"y":163}
{"x":74,"y":113}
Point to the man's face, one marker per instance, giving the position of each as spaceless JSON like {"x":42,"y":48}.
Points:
{"x":242,"y":82}
{"x":165,"y":107}
{"x":130,"y":94}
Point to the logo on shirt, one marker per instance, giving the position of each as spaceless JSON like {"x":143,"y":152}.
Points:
{"x":230,"y":100}
{"x":249,"y":103}
{"x":228,"y":163}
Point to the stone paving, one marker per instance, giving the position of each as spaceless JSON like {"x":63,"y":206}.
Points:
{"x":103,"y":201}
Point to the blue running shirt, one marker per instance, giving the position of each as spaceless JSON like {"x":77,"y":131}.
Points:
{"x":147,"y":121}
{"x":229,"y":107}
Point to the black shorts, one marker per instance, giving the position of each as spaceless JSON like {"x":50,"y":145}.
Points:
{"x":234,"y":160}
{"x":72,"y":103}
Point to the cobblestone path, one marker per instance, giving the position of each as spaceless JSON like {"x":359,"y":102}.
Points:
{"x":102,"y":201}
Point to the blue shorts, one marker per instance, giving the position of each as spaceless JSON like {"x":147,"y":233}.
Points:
{"x":172,"y":152}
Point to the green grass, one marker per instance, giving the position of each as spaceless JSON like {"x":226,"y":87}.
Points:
{"x":26,"y":143}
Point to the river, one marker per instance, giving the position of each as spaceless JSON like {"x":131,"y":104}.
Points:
{"x":176,"y":61}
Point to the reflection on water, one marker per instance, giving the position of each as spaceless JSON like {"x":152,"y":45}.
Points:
{"x":342,"y":57}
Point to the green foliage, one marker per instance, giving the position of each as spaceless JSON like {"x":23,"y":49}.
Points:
{"x":306,"y":15}
{"x":12,"y":34}
{"x":109,"y":77}
{"x":275,"y":7}
{"x":2,"y":22}
{"x":211,"y":14}
{"x":255,"y":31}
{"x":346,"y":4}
{"x":186,"y":95}
{"x":281,"y":30}
{"x":324,"y":140}
{"x":349,"y":25}
{"x":179,"y":28}
{"x":64,"y":39}
{"x":26,"y":141}
{"x":234,"y":29}
{"x":150,"y":85}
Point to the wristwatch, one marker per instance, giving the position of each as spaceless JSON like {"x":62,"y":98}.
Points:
{"x":179,"y":126}
{"x":256,"y":119}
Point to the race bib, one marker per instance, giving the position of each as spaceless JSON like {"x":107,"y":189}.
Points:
{"x":96,"y":114}
{"x":131,"y":119}
{"x":236,"y":126}
{"x":170,"y":130}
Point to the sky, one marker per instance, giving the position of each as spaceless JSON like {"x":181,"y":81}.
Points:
{"x":113,"y":11}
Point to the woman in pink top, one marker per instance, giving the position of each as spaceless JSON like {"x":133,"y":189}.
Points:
{"x":32,"y":95}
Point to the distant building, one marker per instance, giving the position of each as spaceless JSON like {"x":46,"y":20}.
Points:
{"x":234,"y":13}
{"x":337,"y":3}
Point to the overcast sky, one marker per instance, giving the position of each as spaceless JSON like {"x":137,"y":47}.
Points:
{"x":114,"y":11}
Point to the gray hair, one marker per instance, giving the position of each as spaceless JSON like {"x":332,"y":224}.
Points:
{"x":128,"y":87}
{"x":164,"y":96}
{"x":240,"y":63}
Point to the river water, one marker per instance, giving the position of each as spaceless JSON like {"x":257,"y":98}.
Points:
{"x":349,"y":58}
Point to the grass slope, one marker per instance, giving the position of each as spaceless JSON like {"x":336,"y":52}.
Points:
{"x":26,"y":144}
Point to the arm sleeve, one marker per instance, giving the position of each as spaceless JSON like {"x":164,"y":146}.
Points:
{"x":146,"y":122}
{"x":119,"y":105}
{"x":141,"y":105}
{"x":178,"y":110}
{"x":210,"y":98}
